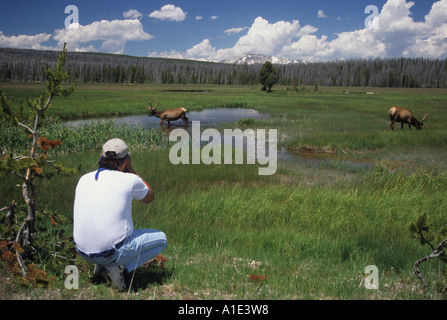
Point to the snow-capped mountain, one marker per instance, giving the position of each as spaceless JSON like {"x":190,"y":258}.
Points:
{"x":259,"y":59}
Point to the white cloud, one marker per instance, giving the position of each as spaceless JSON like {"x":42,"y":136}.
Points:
{"x":263,"y":37}
{"x":437,"y":15}
{"x":431,"y":37}
{"x":132,"y":14}
{"x":434,"y":45}
{"x":214,"y":17}
{"x":113,"y":34}
{"x":308,"y":47}
{"x":169,"y":12}
{"x":308,"y":29}
{"x":201,"y":51}
{"x":402,"y":36}
{"x":25,"y":41}
{"x":235,"y":30}
{"x":321,"y":14}
{"x":199,"y":17}
{"x":398,"y":36}
{"x":173,"y":54}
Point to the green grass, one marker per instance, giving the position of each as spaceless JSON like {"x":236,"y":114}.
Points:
{"x":311,"y":242}
{"x":84,"y":138}
{"x":311,"y":230}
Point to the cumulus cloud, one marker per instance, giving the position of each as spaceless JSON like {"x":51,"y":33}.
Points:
{"x":398,"y":35}
{"x":169,"y":12}
{"x":110,"y":36}
{"x":321,"y":14}
{"x":132,"y":14}
{"x":201,"y":51}
{"x":263,"y":37}
{"x":113,"y":35}
{"x":25,"y":41}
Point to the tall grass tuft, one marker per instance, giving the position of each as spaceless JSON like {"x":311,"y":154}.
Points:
{"x":84,"y":138}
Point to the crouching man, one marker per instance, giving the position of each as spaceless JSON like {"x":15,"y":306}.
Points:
{"x":103,"y":228}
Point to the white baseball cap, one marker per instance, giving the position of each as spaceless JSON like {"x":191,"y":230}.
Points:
{"x":118,"y":146}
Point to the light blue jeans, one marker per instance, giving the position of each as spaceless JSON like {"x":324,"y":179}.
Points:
{"x":142,"y":246}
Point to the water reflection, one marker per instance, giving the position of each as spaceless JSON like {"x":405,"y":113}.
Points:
{"x":207,"y":118}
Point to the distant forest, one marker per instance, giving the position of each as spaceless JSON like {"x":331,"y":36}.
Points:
{"x":25,"y":65}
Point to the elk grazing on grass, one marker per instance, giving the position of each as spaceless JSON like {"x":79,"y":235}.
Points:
{"x":168,"y":115}
{"x":405,"y":116}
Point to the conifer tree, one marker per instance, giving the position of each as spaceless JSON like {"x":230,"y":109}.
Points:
{"x":268,"y":76}
{"x":28,"y":166}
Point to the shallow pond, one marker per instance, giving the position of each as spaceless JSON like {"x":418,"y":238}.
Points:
{"x":207,"y":118}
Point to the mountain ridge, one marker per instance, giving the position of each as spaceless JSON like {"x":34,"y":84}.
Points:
{"x":256,"y":58}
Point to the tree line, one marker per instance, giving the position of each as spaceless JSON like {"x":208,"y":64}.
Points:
{"x":26,"y":65}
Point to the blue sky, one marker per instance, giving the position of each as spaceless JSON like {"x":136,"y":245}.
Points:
{"x":216,"y":30}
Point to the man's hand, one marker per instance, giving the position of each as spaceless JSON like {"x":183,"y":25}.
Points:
{"x":150,"y":194}
{"x":129,"y":167}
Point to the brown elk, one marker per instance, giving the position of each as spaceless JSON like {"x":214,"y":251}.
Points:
{"x":405,"y":116}
{"x":168,"y":115}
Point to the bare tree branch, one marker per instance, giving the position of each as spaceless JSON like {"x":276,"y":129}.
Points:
{"x":435,"y":254}
{"x":26,"y":127}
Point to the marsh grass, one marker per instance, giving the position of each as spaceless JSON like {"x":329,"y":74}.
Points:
{"x":83,"y":138}
{"x":311,"y":242}
{"x":310,"y":230}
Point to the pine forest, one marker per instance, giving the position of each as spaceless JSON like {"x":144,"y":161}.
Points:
{"x":26,"y":65}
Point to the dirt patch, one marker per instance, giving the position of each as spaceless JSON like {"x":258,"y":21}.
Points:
{"x":180,"y":90}
{"x":312,"y":149}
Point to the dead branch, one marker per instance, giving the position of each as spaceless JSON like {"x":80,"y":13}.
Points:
{"x":10,"y":215}
{"x":435,"y":254}
{"x":21,"y":264}
{"x":26,"y":127}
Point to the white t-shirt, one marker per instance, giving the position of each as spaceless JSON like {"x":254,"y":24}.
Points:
{"x":103,"y":209}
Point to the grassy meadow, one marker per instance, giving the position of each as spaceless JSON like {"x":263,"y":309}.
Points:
{"x":309,"y":231}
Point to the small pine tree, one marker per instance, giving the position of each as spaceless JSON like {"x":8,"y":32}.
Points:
{"x":27,"y":167}
{"x":424,"y":233}
{"x":268,"y":76}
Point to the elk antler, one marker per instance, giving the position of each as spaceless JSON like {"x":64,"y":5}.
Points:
{"x":150,"y":103}
{"x":425,"y":117}
{"x":150,"y":108}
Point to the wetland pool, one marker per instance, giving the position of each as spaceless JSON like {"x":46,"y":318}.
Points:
{"x":208,"y":118}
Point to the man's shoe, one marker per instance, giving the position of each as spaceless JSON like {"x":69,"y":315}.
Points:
{"x":100,"y":274}
{"x":116,"y":274}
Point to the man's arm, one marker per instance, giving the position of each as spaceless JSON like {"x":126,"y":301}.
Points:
{"x":150,"y":196}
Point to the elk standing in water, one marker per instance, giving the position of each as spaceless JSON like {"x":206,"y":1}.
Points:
{"x":405,"y":116}
{"x":168,"y":115}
